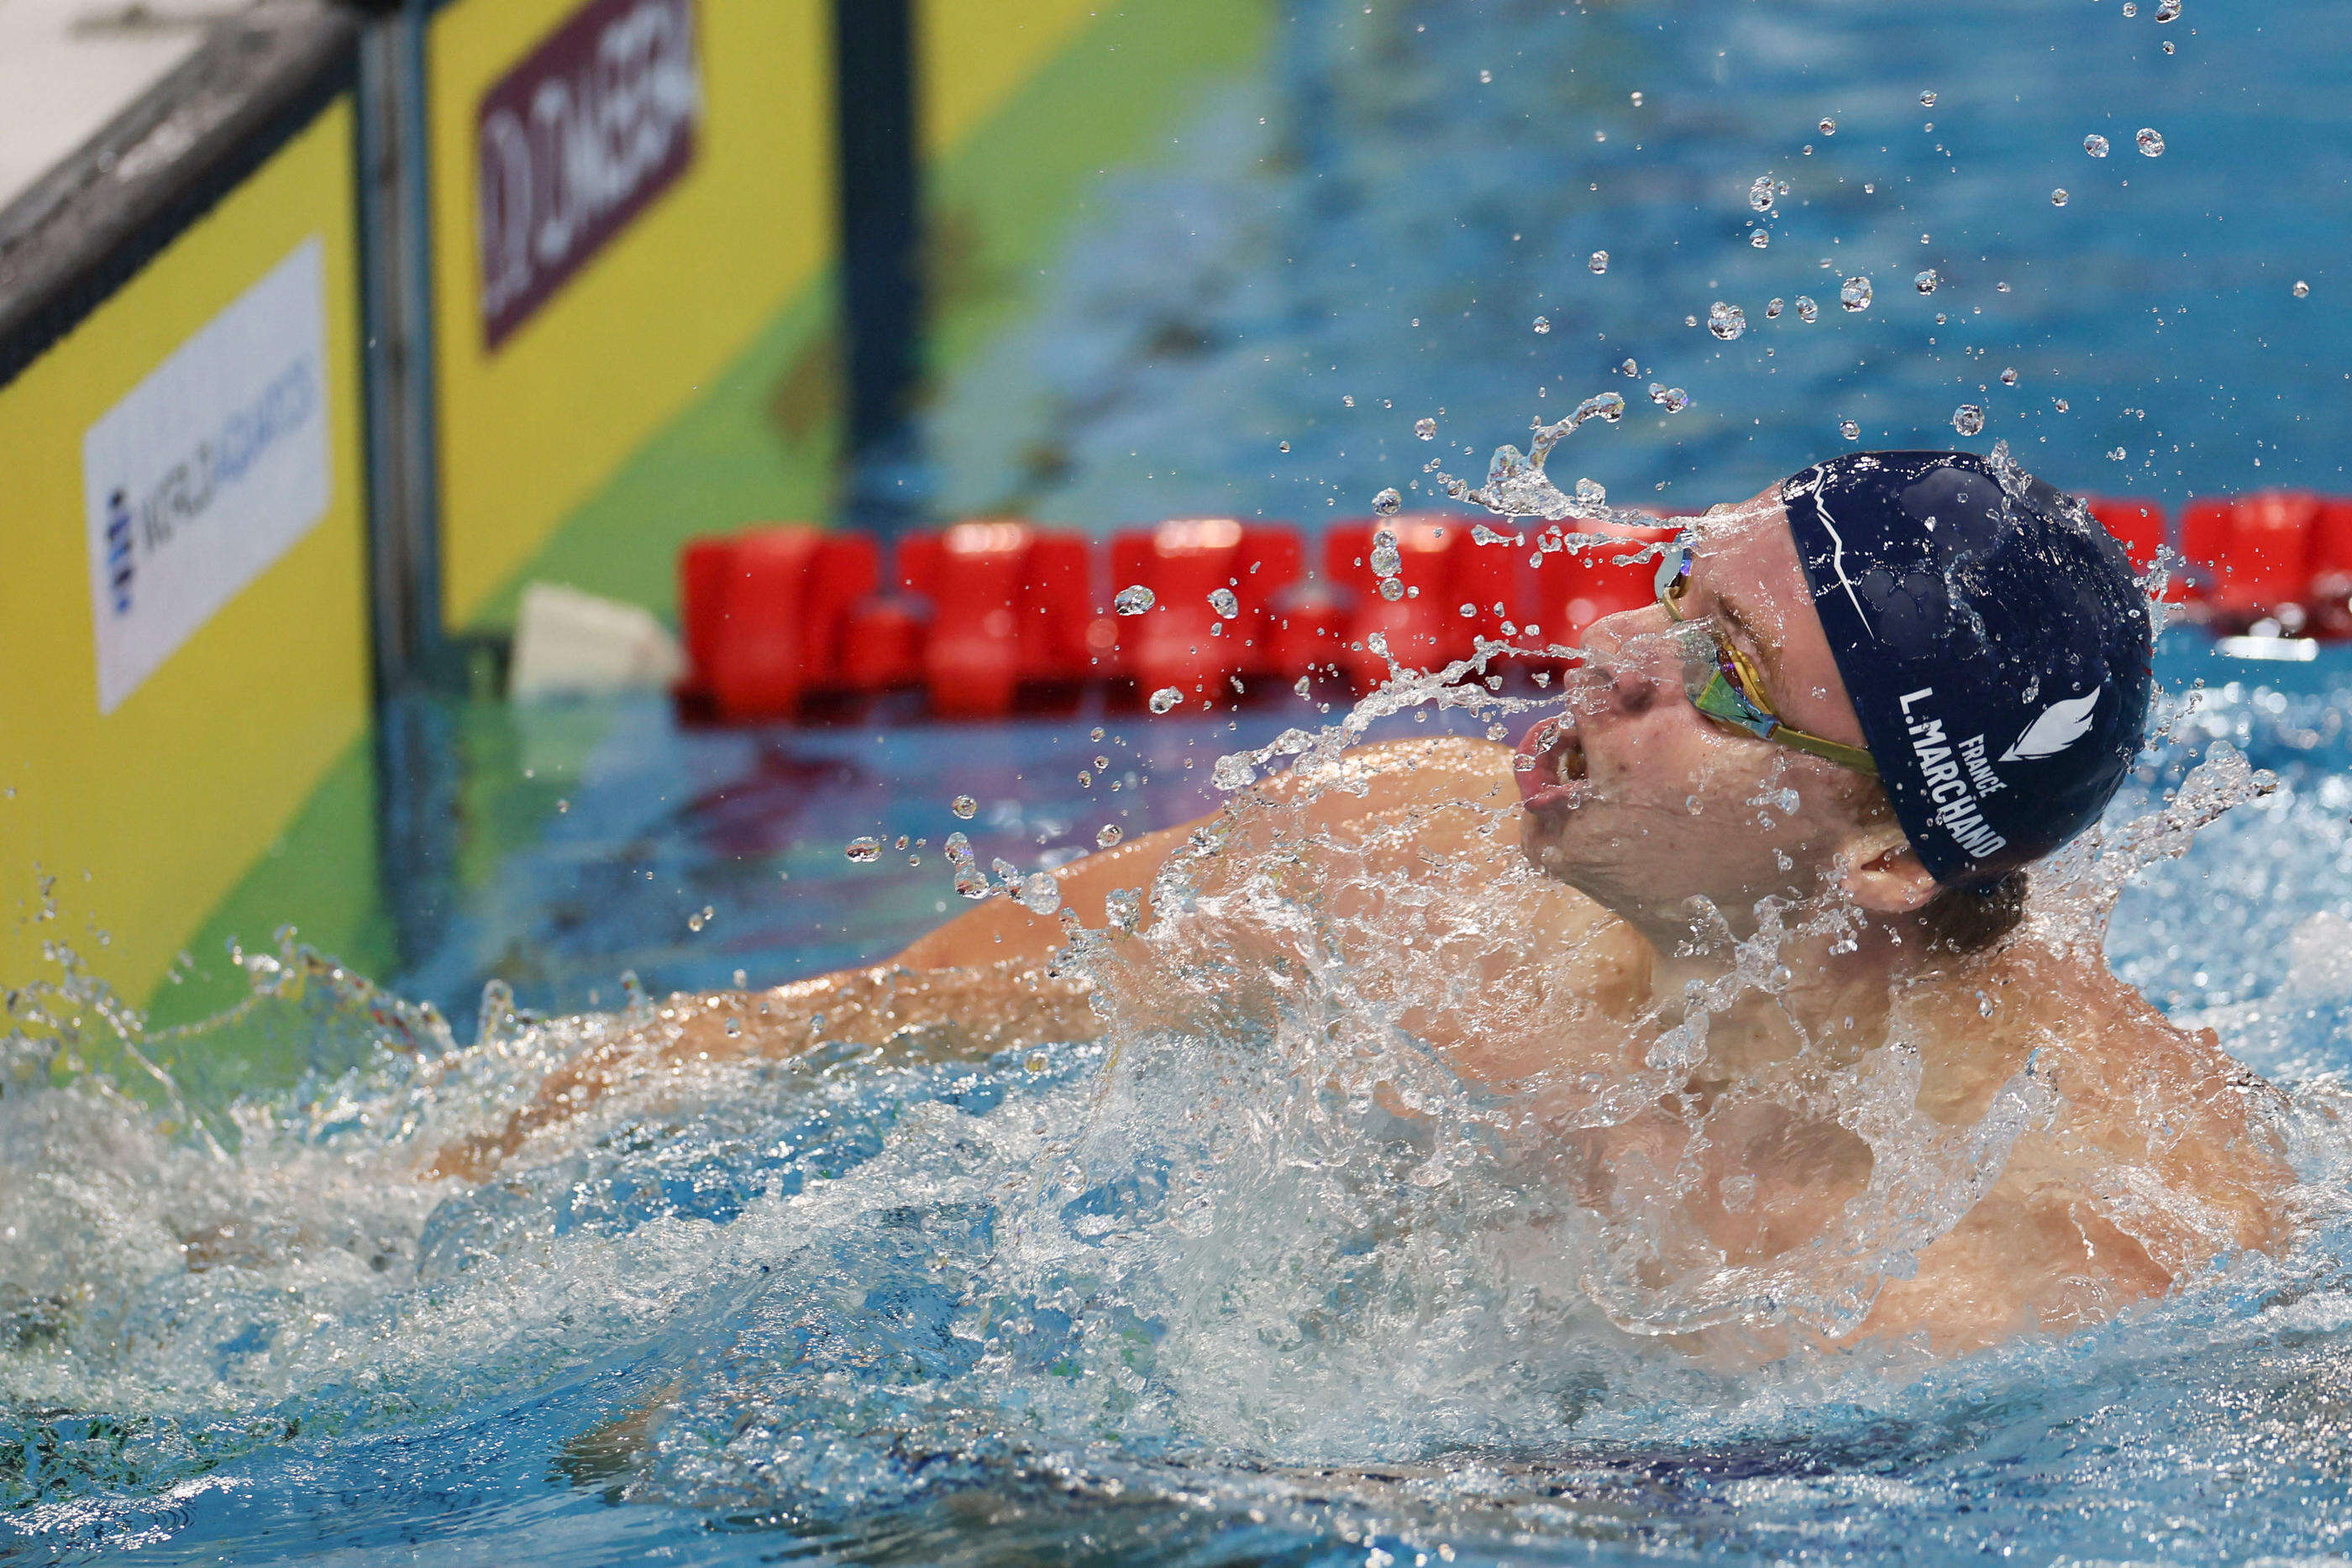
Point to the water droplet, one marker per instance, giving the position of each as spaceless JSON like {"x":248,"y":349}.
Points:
{"x":1854,"y":294}
{"x":2095,"y":145}
{"x":1133,"y":600}
{"x":1285,"y":446}
{"x":965,"y":806}
{"x":1851,"y":429}
{"x":1926,"y":281}
{"x":1637,"y":98}
{"x":699,"y":918}
{"x":1673,"y":399}
{"x":1927,"y":99}
{"x":1760,"y":194}
{"x":1485,"y":75}
{"x":1599,"y":262}
{"x":1829,"y":127}
{"x":1232,"y":772}
{"x":1725,"y":322}
{"x":1690,"y":321}
{"x":2168,"y":43}
{"x":1543,"y":324}
{"x":2168,"y":10}
{"x":1469,"y":610}
{"x":1166,"y":697}
{"x":1387,"y":561}
{"x":2151,"y":141}
{"x":1629,"y":369}
{"x":1591,"y":492}
{"x":2117,"y":456}
{"x":2008,"y":378}
{"x":1425,"y":428}
{"x":1225,"y":604}
{"x":1968,"y":419}
{"x":863,"y":850}
{"x":1772,"y":308}
{"x":2061,"y":405}
{"x":1107,"y":835}
{"x":2301,"y":290}
{"x":1387,"y":502}
{"x":1392,"y":590}
{"x":2131,"y":9}
{"x":1347,"y":400}
{"x":2058,"y":197}
{"x":1807,"y":311}
{"x":1040,"y":894}
{"x":1759,"y":240}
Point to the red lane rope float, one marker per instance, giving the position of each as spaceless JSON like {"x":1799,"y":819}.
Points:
{"x":1010,"y":609}
{"x":987,"y":617}
{"x":1439,"y":568}
{"x":2251,"y":558}
{"x":764,"y":614}
{"x":2331,"y":571}
{"x":1186,"y":641}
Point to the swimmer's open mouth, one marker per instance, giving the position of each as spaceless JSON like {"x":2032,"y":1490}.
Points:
{"x":1558,"y":778}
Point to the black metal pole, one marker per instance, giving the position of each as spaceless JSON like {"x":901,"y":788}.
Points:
{"x":881,"y":238}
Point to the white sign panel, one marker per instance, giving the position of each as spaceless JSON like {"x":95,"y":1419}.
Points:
{"x":207,"y":472}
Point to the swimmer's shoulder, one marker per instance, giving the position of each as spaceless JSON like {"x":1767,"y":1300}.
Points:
{"x":2136,"y":1088}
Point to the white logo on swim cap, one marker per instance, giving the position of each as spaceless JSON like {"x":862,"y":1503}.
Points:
{"x":2062,"y":724}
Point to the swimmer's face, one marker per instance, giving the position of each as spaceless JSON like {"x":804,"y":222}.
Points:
{"x":1640,"y":800}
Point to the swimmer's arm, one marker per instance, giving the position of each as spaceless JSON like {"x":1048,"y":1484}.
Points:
{"x":1001,"y":930}
{"x":970,"y":1012}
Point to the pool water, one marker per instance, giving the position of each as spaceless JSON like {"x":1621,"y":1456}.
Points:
{"x":1172,"y":1302}
{"x":1366,"y":235}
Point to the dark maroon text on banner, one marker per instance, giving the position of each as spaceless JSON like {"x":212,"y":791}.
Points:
{"x":574,"y":141}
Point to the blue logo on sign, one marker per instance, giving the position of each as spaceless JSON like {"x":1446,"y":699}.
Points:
{"x":117,"y":550}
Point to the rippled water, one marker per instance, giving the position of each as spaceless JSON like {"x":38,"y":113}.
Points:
{"x":1188,"y":1294}
{"x":1369,"y":220}
{"x":1193,"y":1296}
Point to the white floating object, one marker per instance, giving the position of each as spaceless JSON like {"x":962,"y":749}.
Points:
{"x":570,"y":643}
{"x":2288,"y":650}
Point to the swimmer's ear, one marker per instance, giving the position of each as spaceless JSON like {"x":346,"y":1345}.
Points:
{"x":1881,"y":872}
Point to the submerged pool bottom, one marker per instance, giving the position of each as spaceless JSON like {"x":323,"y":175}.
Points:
{"x":1174,"y":1304}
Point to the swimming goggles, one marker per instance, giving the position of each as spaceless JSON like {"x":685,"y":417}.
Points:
{"x":1724,"y":685}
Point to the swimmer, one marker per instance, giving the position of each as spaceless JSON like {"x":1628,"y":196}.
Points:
{"x":1784,"y":820}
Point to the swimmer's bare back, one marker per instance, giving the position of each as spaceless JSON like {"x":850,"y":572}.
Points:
{"x":2152,"y":1161}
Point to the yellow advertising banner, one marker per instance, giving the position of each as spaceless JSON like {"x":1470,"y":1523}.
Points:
{"x":625,"y":193}
{"x":183,"y":574}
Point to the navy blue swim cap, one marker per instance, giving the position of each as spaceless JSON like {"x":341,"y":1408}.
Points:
{"x":1994,"y":641}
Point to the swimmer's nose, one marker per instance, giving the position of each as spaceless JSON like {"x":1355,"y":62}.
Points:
{"x":1630,"y":688}
{"x":1627,"y":660}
